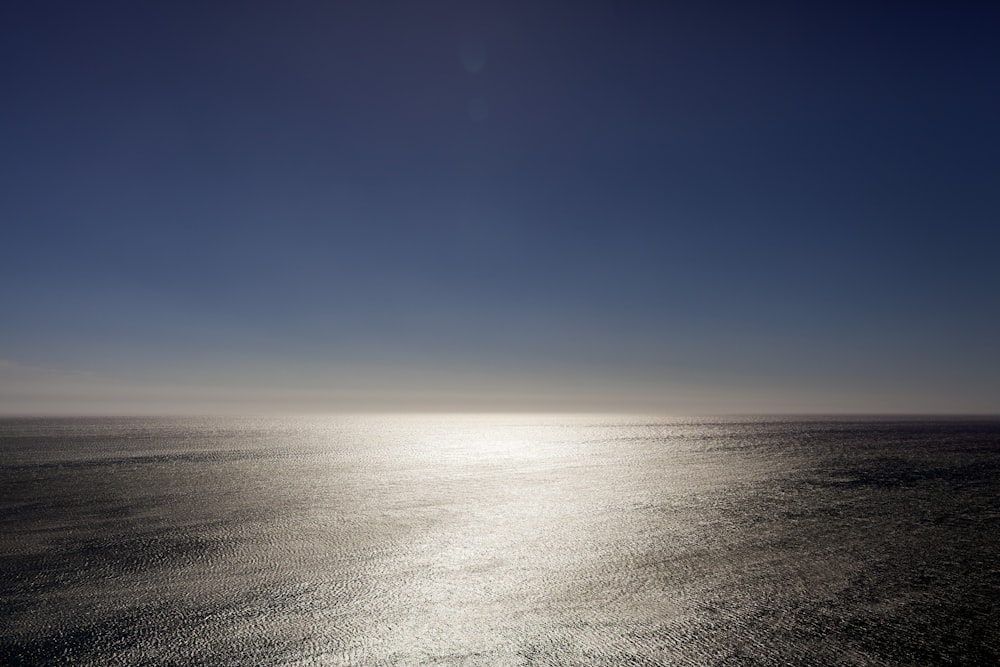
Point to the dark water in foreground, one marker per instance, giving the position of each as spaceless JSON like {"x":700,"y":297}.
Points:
{"x":499,"y":540}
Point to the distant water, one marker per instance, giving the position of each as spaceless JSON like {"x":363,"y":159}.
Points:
{"x":499,"y":540}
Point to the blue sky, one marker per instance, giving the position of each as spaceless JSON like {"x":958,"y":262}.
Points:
{"x":625,"y":205}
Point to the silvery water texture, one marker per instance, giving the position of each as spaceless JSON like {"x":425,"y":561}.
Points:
{"x":499,"y":540}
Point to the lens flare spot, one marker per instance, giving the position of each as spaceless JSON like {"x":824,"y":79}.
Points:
{"x":473,"y":54}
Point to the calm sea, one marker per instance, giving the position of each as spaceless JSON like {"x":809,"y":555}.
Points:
{"x":499,"y":540}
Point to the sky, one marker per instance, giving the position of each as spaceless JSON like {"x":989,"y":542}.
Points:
{"x":669,"y":207}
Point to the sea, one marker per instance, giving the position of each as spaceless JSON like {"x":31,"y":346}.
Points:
{"x":500,"y":540}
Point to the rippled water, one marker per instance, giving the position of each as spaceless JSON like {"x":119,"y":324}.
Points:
{"x":499,"y":540}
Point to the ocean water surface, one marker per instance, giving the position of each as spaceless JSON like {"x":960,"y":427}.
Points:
{"x":499,"y":540}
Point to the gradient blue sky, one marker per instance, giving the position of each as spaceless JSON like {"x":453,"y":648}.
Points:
{"x":629,"y":205}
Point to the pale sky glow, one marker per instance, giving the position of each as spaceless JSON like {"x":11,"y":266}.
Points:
{"x":493,"y":206}
{"x":37,"y":391}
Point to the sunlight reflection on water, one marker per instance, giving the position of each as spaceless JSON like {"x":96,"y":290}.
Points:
{"x":501,"y":540}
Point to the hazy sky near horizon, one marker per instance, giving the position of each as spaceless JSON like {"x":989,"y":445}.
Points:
{"x":629,"y":205}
